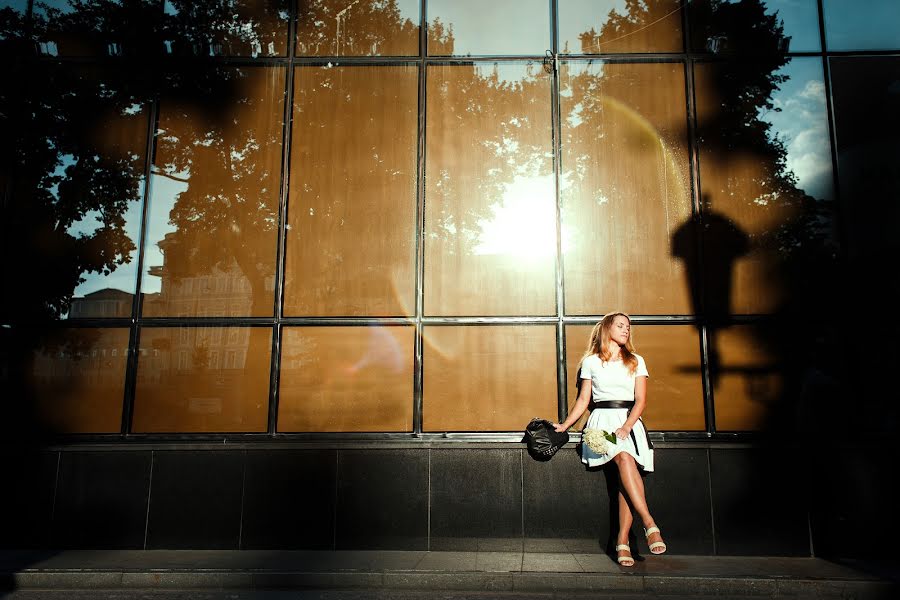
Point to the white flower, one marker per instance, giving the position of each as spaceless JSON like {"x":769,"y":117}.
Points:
{"x":598,"y":440}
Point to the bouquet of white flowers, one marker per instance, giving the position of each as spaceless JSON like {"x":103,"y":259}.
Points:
{"x":598,"y":440}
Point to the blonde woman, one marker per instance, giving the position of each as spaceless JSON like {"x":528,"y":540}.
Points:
{"x":617,"y":395}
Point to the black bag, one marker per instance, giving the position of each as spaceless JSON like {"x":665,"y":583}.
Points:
{"x":543,"y":440}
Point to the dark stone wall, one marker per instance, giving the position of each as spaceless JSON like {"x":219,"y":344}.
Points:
{"x":714,"y":500}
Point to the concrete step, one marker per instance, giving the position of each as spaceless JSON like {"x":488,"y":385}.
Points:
{"x":511,"y":572}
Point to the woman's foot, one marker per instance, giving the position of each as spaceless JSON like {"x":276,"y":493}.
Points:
{"x":654,"y":540}
{"x":623,"y":555}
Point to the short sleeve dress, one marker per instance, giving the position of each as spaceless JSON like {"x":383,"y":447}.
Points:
{"x":613,"y":381}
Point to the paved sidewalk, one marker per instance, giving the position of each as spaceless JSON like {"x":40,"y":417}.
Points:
{"x":562,"y":574}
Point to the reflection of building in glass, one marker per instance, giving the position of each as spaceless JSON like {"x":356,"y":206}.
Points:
{"x":102,"y":303}
{"x":214,"y":293}
{"x":99,"y":365}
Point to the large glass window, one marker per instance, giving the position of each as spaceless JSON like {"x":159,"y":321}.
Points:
{"x":450,"y":199}
{"x":346,"y":379}
{"x":614,"y":26}
{"x":866,"y":92}
{"x":490,"y":234}
{"x":488,"y":377}
{"x":496,"y":28}
{"x":352,"y":208}
{"x":765,"y":180}
{"x":358,"y":28}
{"x":77,"y":379}
{"x":625,"y":188}
{"x":213,"y":219}
{"x":870,"y":25}
{"x":208,"y":381}
{"x":755,"y":26}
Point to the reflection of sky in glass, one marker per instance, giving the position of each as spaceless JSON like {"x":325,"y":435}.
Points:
{"x":802,"y":125}
{"x":499,"y":27}
{"x":868,"y":25}
{"x":801,"y":22}
{"x":409,"y":9}
{"x":163,"y":194}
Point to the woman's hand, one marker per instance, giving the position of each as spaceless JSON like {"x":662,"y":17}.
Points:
{"x":559,"y":428}
{"x":622,"y":432}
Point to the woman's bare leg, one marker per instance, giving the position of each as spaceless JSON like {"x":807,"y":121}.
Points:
{"x":625,"y":519}
{"x":633,"y":485}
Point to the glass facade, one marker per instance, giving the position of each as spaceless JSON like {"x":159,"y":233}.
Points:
{"x":402,"y":217}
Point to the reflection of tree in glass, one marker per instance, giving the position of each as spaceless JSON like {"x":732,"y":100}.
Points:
{"x":227,"y":155}
{"x":440,"y":38}
{"x":491,"y":130}
{"x":641,"y":26}
{"x":69,"y":186}
{"x":355,"y":28}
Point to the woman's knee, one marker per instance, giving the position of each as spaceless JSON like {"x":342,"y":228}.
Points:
{"x":623,"y":459}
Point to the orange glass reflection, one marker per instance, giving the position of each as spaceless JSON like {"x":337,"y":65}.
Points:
{"x":203,"y":380}
{"x":490,"y":233}
{"x":358,"y":28}
{"x":625,"y":188}
{"x":748,"y":383}
{"x":215,"y":196}
{"x":352,"y":207}
{"x":675,"y":387}
{"x":765,"y":179}
{"x":346,"y":379}
{"x":78,"y":380}
{"x":606,"y":26}
{"x":488,"y":377}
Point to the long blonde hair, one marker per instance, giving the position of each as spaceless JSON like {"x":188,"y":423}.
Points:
{"x":598,"y":343}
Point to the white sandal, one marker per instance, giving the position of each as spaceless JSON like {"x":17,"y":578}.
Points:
{"x":655,"y":545}
{"x":625,"y":561}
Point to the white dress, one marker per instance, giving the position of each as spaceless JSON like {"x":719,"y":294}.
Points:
{"x":613,"y":381}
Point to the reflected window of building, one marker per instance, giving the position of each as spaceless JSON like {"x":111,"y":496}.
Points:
{"x":358,"y":27}
{"x":77,"y":382}
{"x":188,"y":390}
{"x":866,"y":93}
{"x":352,"y":196}
{"x":226,"y":28}
{"x":490,"y":234}
{"x":674,"y":388}
{"x":869,"y":25}
{"x":617,"y":26}
{"x":488,"y":377}
{"x":766,"y":183}
{"x":625,"y":188}
{"x":496,"y":28}
{"x":755,"y":26}
{"x":350,"y":379}
{"x":214,"y":200}
{"x":111,"y":28}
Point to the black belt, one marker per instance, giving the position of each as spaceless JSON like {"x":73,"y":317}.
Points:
{"x":629,"y":404}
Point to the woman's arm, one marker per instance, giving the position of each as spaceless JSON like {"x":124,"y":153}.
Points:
{"x":584,"y":398}
{"x":640,"y":401}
